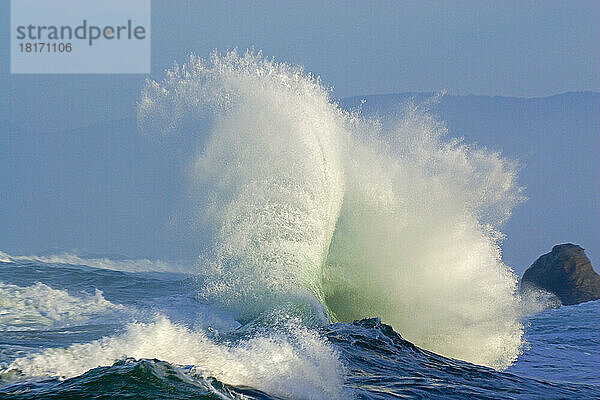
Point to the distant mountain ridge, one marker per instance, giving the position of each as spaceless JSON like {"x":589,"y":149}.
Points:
{"x":54,"y":182}
{"x":420,"y":96}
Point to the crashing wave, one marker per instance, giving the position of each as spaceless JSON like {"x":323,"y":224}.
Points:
{"x":305,"y":203}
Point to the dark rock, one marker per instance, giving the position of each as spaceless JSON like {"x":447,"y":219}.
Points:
{"x":565,"y":272}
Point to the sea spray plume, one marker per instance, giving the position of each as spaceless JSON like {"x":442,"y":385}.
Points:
{"x":268,"y":182}
{"x":416,"y":242}
{"x":306,"y":204}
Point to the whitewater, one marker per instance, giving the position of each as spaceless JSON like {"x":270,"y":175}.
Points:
{"x":340,"y":216}
{"x":306,"y":217}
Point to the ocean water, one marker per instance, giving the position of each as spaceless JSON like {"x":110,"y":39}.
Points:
{"x":339,"y":256}
{"x":74,"y":331}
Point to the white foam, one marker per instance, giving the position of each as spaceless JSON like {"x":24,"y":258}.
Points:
{"x":125,"y":265}
{"x":292,"y":363}
{"x":40,"y":307}
{"x":5,"y":258}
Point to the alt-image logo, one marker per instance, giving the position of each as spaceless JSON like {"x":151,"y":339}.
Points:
{"x":84,"y":31}
{"x":80,"y":36}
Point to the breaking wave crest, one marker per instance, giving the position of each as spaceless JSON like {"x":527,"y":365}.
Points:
{"x":41,"y":307}
{"x":296,"y":201}
{"x":291,"y":362}
{"x":125,"y":265}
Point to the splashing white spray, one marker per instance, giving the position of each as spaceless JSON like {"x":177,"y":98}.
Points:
{"x":269,"y":362}
{"x":310,"y":205}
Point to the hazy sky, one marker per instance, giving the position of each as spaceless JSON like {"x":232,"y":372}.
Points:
{"x":513,"y":48}
{"x":522,"y":48}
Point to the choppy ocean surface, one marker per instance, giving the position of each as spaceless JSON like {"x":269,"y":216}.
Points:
{"x":72,"y":331}
{"x":339,"y":256}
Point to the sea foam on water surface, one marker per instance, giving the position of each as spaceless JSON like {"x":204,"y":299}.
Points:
{"x":41,"y":307}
